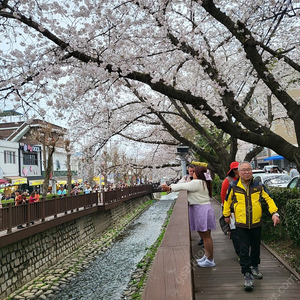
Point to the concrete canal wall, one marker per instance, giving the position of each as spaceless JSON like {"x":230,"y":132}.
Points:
{"x":24,"y":260}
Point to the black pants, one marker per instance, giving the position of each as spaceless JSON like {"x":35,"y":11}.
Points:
{"x":249,"y":242}
{"x":235,"y":240}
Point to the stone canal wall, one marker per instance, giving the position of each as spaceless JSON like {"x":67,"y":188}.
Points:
{"x":26,"y":259}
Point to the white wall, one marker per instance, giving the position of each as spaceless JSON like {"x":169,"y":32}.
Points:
{"x":8,"y":169}
{"x":61,"y":156}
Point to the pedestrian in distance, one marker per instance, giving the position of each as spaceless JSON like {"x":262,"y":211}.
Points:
{"x":293,"y":172}
{"x":61,"y":191}
{"x":19,"y":201}
{"x":18,"y":198}
{"x":25,"y":197}
{"x":189,"y":176}
{"x":74,"y":192}
{"x":37,"y":196}
{"x":32,"y":197}
{"x":201,"y":213}
{"x":245,"y":196}
{"x":88,"y":189}
{"x":8,"y":196}
{"x":232,"y":175}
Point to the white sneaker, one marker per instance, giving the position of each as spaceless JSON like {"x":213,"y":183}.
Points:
{"x":203,"y":258}
{"x":207,"y":263}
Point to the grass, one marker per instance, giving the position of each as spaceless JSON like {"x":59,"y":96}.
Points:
{"x":289,"y":252}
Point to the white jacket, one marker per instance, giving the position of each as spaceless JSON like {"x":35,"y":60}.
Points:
{"x":197,"y":191}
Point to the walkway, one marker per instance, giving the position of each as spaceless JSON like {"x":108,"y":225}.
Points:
{"x":225,"y":281}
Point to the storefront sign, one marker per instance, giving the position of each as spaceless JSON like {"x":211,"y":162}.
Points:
{"x":28,"y":148}
{"x":76,"y":181}
{"x":62,"y":182}
{"x":18,"y":181}
{"x":36,"y":182}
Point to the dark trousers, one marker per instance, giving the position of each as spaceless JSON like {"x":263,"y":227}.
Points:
{"x":249,"y":242}
{"x":235,"y":240}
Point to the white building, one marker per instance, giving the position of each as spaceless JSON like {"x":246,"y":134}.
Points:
{"x":9,"y":159}
{"x":21,"y":155}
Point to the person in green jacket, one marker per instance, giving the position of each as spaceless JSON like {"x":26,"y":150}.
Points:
{"x":244,"y":197}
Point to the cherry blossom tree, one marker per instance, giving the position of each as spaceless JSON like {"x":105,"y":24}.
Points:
{"x":50,"y":138}
{"x":229,"y":64}
{"x":185,"y":126}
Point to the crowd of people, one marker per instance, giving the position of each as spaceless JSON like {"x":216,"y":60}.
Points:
{"x":77,"y":189}
{"x":241,"y":207}
{"x":23,"y":196}
{"x":34,"y":196}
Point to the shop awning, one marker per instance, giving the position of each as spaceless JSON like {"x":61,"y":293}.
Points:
{"x":61,"y":180}
{"x":276,"y":157}
{"x":17,"y":180}
{"x":3,"y":181}
{"x":35,"y":180}
{"x":78,"y":180}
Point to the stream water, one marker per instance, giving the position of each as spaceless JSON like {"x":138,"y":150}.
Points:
{"x":109,"y":274}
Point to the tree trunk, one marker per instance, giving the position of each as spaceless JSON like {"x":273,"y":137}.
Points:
{"x":48,"y":171}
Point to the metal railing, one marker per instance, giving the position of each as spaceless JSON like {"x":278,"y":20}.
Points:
{"x":12,"y":216}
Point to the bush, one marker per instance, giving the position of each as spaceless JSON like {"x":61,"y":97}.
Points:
{"x":216,"y":185}
{"x":51,"y":196}
{"x":293,"y":220}
{"x":281,"y":196}
{"x":6,"y":202}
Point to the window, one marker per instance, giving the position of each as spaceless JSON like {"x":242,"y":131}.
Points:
{"x":30,"y":159}
{"x":9,"y":157}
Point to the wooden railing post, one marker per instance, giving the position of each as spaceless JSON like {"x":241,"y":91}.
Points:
{"x":72,"y":203}
{"x":9,"y":229}
{"x":28,"y":213}
{"x":43,"y":208}
{"x":66,"y":204}
{"x":55,"y":207}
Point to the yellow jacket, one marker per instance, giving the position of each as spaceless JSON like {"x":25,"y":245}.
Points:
{"x":246,"y":204}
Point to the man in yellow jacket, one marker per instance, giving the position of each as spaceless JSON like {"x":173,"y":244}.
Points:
{"x":244,"y":199}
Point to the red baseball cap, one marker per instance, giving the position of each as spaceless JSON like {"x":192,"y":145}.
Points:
{"x":233,"y":165}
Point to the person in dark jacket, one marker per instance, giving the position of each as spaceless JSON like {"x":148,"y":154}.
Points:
{"x":244,"y":196}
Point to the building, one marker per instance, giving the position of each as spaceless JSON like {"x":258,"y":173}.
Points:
{"x":22,"y":153}
{"x":286,"y":130}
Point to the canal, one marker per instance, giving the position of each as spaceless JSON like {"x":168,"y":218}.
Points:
{"x":108,"y":275}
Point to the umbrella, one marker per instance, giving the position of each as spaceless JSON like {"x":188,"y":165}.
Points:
{"x":276,"y":157}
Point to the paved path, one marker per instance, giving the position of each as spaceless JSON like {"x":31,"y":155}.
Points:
{"x":225,"y":281}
